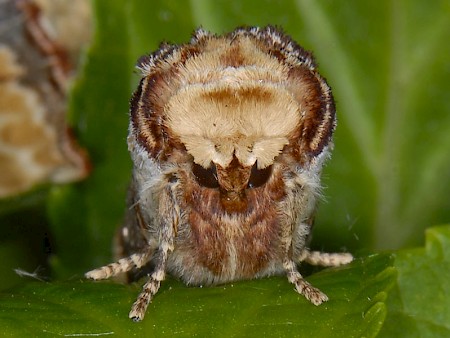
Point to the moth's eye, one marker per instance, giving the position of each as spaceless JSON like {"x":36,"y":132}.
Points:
{"x":258,"y":177}
{"x":206,"y":177}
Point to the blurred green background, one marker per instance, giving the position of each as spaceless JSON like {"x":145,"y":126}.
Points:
{"x":388,"y":180}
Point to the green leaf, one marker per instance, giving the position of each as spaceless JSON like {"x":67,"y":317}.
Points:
{"x":419,"y":305}
{"x":266,"y":307}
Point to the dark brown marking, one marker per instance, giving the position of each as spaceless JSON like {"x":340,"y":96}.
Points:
{"x":256,"y":243}
{"x":209,"y":246}
{"x":206,"y":177}
{"x":316,"y":128}
{"x":232,"y":97}
{"x":258,"y":177}
{"x":233,"y":57}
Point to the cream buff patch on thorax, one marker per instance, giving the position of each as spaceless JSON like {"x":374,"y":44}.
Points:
{"x":227,"y":108}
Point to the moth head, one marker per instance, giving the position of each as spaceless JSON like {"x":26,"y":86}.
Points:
{"x":235,"y":105}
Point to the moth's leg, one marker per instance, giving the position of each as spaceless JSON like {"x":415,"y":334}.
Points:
{"x":324,"y":259}
{"x":169,"y":219}
{"x":151,"y":287}
{"x":136,"y":260}
{"x":311,"y":293}
{"x":304,"y":288}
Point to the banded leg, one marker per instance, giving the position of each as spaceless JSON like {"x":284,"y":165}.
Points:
{"x":170,"y":219}
{"x":151,"y":287}
{"x":311,"y":293}
{"x":136,"y":260}
{"x":324,"y":259}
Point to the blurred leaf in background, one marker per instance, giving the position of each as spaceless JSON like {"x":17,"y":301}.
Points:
{"x":387,"y":62}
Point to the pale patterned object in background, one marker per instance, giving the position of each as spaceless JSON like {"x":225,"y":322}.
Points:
{"x":36,"y":144}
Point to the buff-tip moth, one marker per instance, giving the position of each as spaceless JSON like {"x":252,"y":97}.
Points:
{"x":228,"y":136}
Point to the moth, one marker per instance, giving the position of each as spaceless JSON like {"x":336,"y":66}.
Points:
{"x":228,"y":135}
